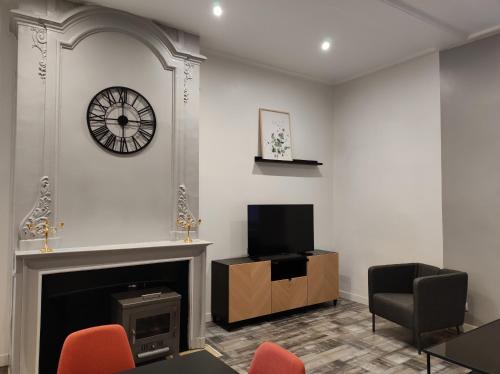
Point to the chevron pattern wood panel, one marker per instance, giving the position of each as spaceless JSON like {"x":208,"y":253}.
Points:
{"x":289,"y":294}
{"x":249,"y":290}
{"x":322,"y":278}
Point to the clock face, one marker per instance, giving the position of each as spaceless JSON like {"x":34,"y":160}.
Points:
{"x":121,"y":120}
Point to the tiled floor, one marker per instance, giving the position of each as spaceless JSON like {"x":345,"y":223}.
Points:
{"x":332,"y":340}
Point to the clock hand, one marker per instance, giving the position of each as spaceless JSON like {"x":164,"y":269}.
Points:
{"x":116,"y":119}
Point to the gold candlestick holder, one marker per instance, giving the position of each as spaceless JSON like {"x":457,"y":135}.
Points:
{"x":47,"y":230}
{"x":188,"y":225}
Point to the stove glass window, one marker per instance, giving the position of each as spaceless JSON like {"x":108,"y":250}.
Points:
{"x":152,"y":325}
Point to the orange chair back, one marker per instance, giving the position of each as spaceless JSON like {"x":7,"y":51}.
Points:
{"x":270,"y":358}
{"x":97,"y":350}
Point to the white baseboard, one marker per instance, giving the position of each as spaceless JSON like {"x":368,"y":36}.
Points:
{"x":354,"y":297}
{"x":208,"y":317}
{"x":468,"y":327}
{"x":4,"y":360}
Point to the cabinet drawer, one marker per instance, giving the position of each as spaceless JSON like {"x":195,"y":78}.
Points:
{"x":289,"y":294}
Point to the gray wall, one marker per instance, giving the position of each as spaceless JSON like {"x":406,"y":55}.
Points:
{"x":470,"y":109}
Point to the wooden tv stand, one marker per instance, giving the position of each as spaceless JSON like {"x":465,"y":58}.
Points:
{"x":244,"y":288}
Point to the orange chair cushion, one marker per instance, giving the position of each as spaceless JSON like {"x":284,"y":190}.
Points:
{"x":270,"y":358}
{"x":97,"y":350}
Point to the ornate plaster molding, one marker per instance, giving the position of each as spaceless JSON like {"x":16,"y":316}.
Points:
{"x":74,"y":18}
{"x":188,"y":76}
{"x":39,"y":36}
{"x":37,"y":216}
{"x":184,"y":214}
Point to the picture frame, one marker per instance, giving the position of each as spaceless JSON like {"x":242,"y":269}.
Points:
{"x":275,"y":135}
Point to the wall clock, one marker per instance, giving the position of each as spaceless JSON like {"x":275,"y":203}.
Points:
{"x":121,"y":120}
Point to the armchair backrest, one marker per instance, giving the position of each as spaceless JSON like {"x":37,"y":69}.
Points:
{"x":396,"y":278}
{"x":424,"y":270}
{"x":448,"y":271}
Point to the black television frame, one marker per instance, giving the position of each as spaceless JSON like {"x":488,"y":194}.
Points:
{"x":256,"y":250}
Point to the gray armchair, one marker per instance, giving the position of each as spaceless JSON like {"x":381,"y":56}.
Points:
{"x":420,"y":297}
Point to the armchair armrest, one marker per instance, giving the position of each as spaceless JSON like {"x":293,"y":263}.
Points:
{"x":439,"y":301}
{"x":397,"y":278}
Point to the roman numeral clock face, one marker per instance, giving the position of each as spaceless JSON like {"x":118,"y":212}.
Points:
{"x":121,"y":120}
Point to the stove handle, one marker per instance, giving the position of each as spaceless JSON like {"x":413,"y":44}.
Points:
{"x":153,"y":353}
{"x":133,"y":336}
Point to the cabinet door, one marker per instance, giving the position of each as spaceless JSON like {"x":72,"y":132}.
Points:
{"x":322,"y":278}
{"x":249,"y":290}
{"x":289,"y":294}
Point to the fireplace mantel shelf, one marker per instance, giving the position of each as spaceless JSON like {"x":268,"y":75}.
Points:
{"x":111,"y":248}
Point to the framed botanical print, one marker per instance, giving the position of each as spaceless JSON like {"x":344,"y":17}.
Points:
{"x":275,"y":135}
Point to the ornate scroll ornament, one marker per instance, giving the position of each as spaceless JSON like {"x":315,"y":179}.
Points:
{"x":37,"y":218}
{"x":185,"y":218}
{"x":39,"y":36}
{"x":184,"y":214}
{"x":188,"y":75}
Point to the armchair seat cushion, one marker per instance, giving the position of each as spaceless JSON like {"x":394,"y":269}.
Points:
{"x":396,"y":307}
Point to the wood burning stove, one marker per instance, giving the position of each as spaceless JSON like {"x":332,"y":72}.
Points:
{"x":151,"y":318}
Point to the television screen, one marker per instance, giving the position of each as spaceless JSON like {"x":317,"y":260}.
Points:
{"x":280,"y":229}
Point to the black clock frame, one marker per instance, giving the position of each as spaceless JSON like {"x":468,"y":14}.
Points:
{"x":138,"y":95}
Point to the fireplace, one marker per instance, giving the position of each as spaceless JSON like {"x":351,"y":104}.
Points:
{"x":55,"y":292}
{"x":76,"y":300}
{"x":151,"y":318}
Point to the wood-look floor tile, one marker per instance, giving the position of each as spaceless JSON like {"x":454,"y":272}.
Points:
{"x":332,"y":340}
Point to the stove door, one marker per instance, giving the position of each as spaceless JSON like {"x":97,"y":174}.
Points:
{"x":154,"y":331}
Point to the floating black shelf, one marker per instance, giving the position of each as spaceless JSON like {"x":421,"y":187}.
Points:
{"x":295,"y":161}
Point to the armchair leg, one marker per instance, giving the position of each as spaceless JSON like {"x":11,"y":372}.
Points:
{"x":416,"y":341}
{"x":373,"y":322}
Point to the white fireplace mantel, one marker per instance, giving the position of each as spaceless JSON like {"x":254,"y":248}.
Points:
{"x":107,"y":249}
{"x":32,"y":265}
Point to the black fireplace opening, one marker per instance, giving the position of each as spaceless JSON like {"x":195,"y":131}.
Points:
{"x":77,"y":300}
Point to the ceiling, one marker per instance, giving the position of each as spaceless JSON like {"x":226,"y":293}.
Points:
{"x":286,"y":34}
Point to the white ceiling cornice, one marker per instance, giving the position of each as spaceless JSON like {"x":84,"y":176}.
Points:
{"x":425,"y":17}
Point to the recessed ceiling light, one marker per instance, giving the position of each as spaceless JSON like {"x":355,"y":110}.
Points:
{"x":217,"y":9}
{"x":326,"y":45}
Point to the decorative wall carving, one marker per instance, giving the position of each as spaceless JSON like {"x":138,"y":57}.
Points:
{"x":38,"y":215}
{"x":183,"y":212}
{"x":39,"y":36}
{"x":188,"y":75}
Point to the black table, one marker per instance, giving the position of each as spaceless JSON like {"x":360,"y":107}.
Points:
{"x":478,"y":350}
{"x":200,"y":362}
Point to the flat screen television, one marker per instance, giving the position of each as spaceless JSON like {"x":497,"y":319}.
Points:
{"x":280,"y":229}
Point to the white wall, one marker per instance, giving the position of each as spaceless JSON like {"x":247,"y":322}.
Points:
{"x":7,"y":83}
{"x":387,"y":171}
{"x":231,"y":94}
